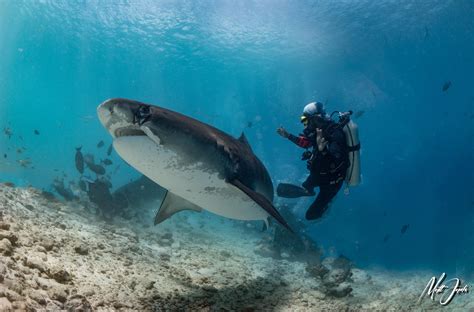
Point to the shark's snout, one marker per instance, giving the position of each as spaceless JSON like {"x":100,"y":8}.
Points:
{"x":122,"y":117}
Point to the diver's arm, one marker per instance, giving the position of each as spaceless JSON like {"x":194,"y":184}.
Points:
{"x":301,"y":140}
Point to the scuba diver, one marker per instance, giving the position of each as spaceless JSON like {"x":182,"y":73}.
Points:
{"x":334,"y":157}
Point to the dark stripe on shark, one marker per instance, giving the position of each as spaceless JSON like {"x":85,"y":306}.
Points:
{"x":263,"y":202}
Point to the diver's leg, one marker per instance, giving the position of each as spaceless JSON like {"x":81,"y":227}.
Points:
{"x":309,"y":184}
{"x":321,"y":203}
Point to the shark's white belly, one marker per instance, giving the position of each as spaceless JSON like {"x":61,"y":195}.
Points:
{"x":194,"y":182}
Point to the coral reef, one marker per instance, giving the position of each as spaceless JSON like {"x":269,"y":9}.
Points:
{"x":59,"y":256}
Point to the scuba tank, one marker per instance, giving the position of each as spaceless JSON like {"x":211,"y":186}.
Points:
{"x":351,"y":131}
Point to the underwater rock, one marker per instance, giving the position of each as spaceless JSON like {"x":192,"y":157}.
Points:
{"x":35,"y":263}
{"x":43,"y":283}
{"x":47,"y":243}
{"x":317,"y":270}
{"x":77,"y":303}
{"x":334,"y":275}
{"x":4,"y":226}
{"x":82,"y":250}
{"x":10,"y":236}
{"x":12,"y":293}
{"x":5,"y":305}
{"x":6,"y":247}
{"x":38,"y":295}
{"x":341,"y":290}
{"x":59,"y":293}
{"x":60,"y":275}
{"x":21,"y":306}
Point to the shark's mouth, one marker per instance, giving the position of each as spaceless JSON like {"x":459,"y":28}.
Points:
{"x":128,"y":131}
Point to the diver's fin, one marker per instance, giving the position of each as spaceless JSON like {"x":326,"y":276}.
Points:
{"x":172,"y":204}
{"x":262,"y":201}
{"x":291,"y":191}
{"x":243,"y":139}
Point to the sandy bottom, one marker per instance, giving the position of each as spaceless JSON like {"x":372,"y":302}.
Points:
{"x":57,"y":256}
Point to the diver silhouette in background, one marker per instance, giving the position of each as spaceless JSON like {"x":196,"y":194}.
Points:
{"x":327,"y":160}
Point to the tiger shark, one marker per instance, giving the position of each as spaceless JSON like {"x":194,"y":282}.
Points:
{"x":200,"y":167}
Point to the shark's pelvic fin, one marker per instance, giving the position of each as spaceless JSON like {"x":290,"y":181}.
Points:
{"x":262,"y":201}
{"x":172,"y":204}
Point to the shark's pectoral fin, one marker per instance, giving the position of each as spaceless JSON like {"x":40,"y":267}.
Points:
{"x":172,"y":204}
{"x":262,"y":201}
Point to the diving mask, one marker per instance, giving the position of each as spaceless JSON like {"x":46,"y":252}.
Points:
{"x":304,"y":120}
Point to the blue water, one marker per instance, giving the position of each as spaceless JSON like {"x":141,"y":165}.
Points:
{"x":252,"y":66}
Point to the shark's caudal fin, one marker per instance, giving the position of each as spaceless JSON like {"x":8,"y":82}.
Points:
{"x":262,"y":201}
{"x":172,"y":204}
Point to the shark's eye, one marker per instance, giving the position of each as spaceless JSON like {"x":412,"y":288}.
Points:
{"x":142,"y":114}
{"x":144,"y":110}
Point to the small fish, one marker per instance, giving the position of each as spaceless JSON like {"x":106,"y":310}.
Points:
{"x":106,"y":162}
{"x":24,"y":162}
{"x":109,"y":150}
{"x":446,"y":86}
{"x":385,"y":239}
{"x":19,"y":150}
{"x":5,"y":155}
{"x":8,"y":132}
{"x":249,"y":124}
{"x":100,"y":144}
{"x":79,"y":160}
{"x":98,"y":169}
{"x":36,"y":132}
{"x":359,"y":113}
{"x":58,"y":185}
{"x":404,"y":228}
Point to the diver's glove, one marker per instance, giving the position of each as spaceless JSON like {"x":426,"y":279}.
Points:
{"x":320,"y":140}
{"x":281,"y":131}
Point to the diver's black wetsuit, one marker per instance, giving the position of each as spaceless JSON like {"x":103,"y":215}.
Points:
{"x":327,"y":168}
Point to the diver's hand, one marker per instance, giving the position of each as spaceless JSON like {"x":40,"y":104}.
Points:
{"x":320,"y":140}
{"x":281,"y":131}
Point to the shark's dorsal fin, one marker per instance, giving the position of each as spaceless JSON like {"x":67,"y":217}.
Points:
{"x":172,"y":204}
{"x":262,"y":201}
{"x":243,"y":139}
